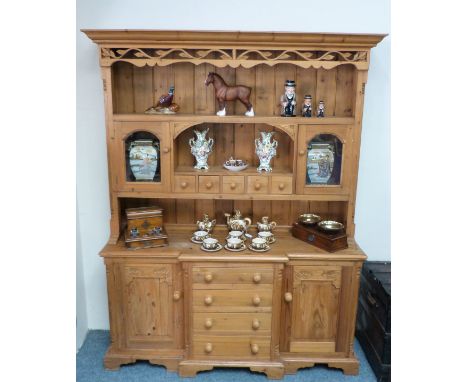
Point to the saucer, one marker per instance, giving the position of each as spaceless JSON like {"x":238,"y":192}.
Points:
{"x":193,"y":240}
{"x":267,"y":248}
{"x":243,"y":247}
{"x":218,"y":247}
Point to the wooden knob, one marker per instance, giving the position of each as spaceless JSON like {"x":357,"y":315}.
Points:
{"x":302,"y":152}
{"x":208,"y":323}
{"x":254,"y":348}
{"x":208,"y":300}
{"x":255,"y":324}
{"x":208,"y":348}
{"x":209,"y":185}
{"x":176,"y":295}
{"x":166,"y":150}
{"x":256,"y":300}
{"x":281,"y":186}
{"x":257,"y":186}
{"x":288,"y":297}
{"x":233,"y":186}
{"x":183,"y":184}
{"x":257,"y":277}
{"x":208,"y":277}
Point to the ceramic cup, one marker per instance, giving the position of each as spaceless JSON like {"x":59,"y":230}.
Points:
{"x":259,"y":243}
{"x":234,"y":243}
{"x":200,"y":235}
{"x":268,"y":236}
{"x":210,"y":243}
{"x":236,"y":235}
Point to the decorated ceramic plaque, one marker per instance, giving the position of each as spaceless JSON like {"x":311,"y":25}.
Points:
{"x":143,"y":158}
{"x":324,"y":160}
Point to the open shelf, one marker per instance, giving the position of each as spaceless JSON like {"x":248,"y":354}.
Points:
{"x":219,"y":170}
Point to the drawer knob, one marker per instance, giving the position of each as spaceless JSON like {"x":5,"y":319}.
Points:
{"x":166,"y":150}
{"x":233,"y":186}
{"x":288,"y":297}
{"x":256,"y":300}
{"x":208,"y":277}
{"x":208,"y":300}
{"x":184,"y":184}
{"x":208,"y":348}
{"x":254,"y":348}
{"x":281,"y":186}
{"x":302,"y":152}
{"x":255,"y":324}
{"x":176,"y":295}
{"x":257,"y":277}
{"x":209,"y":185}
{"x":208,"y":323}
{"x":257,"y":186}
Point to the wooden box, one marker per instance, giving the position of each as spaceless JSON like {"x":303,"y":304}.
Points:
{"x":330,"y":242}
{"x":145,"y":228}
{"x":373,"y":320}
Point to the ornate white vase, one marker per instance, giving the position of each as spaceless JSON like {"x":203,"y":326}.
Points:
{"x":201,"y":148}
{"x":265,"y":149}
{"x":143,"y":157}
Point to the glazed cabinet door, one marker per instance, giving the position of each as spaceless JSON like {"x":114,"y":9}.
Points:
{"x":140,"y":156}
{"x":149,"y":299}
{"x":324,"y":159}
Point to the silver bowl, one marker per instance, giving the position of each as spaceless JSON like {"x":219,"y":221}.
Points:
{"x":330,"y":226}
{"x":309,"y":219}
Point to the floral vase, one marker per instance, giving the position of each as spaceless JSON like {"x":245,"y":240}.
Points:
{"x":201,"y":148}
{"x":265,"y":150}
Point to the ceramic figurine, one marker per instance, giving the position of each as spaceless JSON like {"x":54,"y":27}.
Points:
{"x":206,"y":224}
{"x":321,"y":110}
{"x":224,"y":93}
{"x":165,"y":104}
{"x":288,"y":99}
{"x":237,"y":222}
{"x":143,"y":156}
{"x":265,"y":149}
{"x":307,"y":106}
{"x":201,"y":148}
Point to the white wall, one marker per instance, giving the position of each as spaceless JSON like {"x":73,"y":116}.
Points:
{"x":81,"y":310}
{"x":359,"y":16}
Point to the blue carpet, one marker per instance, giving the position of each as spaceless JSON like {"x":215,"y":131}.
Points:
{"x":89,"y":368}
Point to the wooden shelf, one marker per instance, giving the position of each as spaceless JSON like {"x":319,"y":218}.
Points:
{"x":220,"y":170}
{"x":209,"y":118}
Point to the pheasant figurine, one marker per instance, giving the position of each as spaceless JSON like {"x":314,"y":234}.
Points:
{"x":165,"y":104}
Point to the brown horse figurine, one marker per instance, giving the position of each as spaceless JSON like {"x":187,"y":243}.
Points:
{"x":225,"y":93}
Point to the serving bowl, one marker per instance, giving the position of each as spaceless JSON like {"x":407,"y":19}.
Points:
{"x":235,"y":165}
{"x":309,"y":219}
{"x":330,"y":226}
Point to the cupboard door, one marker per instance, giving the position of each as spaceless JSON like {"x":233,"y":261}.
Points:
{"x":148,"y":305}
{"x":315,"y":309}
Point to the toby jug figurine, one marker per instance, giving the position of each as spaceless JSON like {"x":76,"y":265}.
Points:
{"x":236,"y":222}
{"x":265,"y":226}
{"x":265,"y":150}
{"x":201,"y":148}
{"x":321,"y":109}
{"x":206,"y":224}
{"x":288,"y":99}
{"x":307,"y":106}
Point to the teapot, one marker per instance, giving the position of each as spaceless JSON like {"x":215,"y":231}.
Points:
{"x":264,"y":226}
{"x":206,"y":224}
{"x":237,"y":222}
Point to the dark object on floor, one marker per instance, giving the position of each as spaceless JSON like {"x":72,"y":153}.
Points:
{"x":330,"y":242}
{"x":373,"y":321}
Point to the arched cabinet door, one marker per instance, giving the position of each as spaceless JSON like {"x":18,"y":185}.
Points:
{"x":141,"y":156}
{"x":323,"y":160}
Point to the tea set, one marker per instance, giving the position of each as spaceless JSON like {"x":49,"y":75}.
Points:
{"x":237,"y":236}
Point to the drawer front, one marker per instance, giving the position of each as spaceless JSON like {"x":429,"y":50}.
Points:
{"x":233,"y":184}
{"x":207,"y":277}
{"x":185,"y":183}
{"x":208,"y":183}
{"x":257,"y":184}
{"x":231,"y":346}
{"x":281,"y":185}
{"x":232,"y":323}
{"x":232,"y":300}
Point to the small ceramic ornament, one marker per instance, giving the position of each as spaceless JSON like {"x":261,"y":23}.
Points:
{"x":321,"y":110}
{"x":201,"y":148}
{"x":307,"y":106}
{"x":165,"y":104}
{"x":288,"y":99}
{"x":265,"y":149}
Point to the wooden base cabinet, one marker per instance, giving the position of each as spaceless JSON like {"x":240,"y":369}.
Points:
{"x":272,"y":313}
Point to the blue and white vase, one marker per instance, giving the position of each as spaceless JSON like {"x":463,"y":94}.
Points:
{"x":143,"y":156}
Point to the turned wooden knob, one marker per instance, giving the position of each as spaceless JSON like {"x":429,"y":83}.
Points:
{"x":208,"y":323}
{"x":281,"y":186}
{"x":209,"y":185}
{"x":257,"y":277}
{"x":176,"y":295}
{"x":208,"y":300}
{"x":233,"y":186}
{"x":166,"y":150}
{"x":255,"y":324}
{"x":288,"y":297}
{"x":301,"y":152}
{"x":254,"y":348}
{"x":256,"y":300}
{"x":257,"y":186}
{"x":184,"y":184}
{"x":208,"y":348}
{"x":208,"y":277}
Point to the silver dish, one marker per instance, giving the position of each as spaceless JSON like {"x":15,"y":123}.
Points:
{"x":330,"y":226}
{"x":309,"y":219}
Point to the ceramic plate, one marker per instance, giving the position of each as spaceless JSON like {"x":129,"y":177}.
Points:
{"x":242,"y":248}
{"x":193,"y":240}
{"x":267,"y":248}
{"x":218,"y":247}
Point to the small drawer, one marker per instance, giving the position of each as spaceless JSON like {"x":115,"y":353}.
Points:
{"x":215,"y":300}
{"x":257,"y":184}
{"x":231,"y":346}
{"x":232,"y":323}
{"x":233,"y":184}
{"x":281,"y":185}
{"x":208,"y":183}
{"x":185,"y":183}
{"x":208,"y":276}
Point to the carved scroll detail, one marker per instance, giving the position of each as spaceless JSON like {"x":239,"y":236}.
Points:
{"x":334,"y":276}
